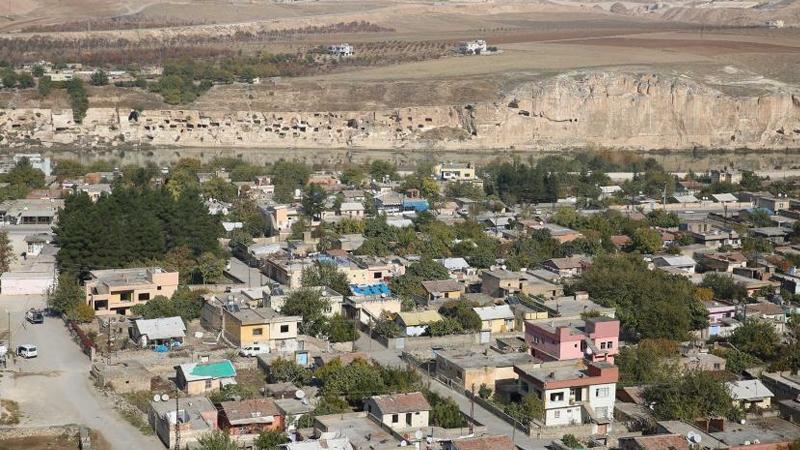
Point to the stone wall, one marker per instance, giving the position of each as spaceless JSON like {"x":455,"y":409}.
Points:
{"x":594,"y":109}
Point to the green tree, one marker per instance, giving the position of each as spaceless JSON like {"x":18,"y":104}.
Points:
{"x":210,"y":267}
{"x":340,"y":330}
{"x":7,"y":255}
{"x":324,"y":273}
{"x":529,"y":408}
{"x":571,"y":441}
{"x":386,"y":326}
{"x":381,"y":169}
{"x":25,"y":80}
{"x":651,"y":361}
{"x":462,"y":312}
{"x":37,"y":71}
{"x":308,"y":303}
{"x":352,"y":176}
{"x":44,"y":86}
{"x":216,"y":440}
{"x":663,"y":218}
{"x":78,"y":98}
{"x":81,"y":313}
{"x":695,"y":394}
{"x":270,"y":440}
{"x":219,"y":189}
{"x":99,"y":78}
{"x":283,"y":370}
{"x":646,"y":240}
{"x":331,"y":404}
{"x":756,"y":338}
{"x":314,"y":200}
{"x":66,"y":296}
{"x":723,"y":286}
{"x":23,"y":174}
{"x":444,"y":411}
{"x":9,"y":78}
{"x":644,"y":297}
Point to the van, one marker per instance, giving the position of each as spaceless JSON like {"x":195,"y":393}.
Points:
{"x":254,"y":350}
{"x":27,"y":351}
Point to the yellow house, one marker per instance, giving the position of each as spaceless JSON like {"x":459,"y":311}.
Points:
{"x":116,"y":291}
{"x":263,"y":326}
{"x":443,"y":289}
{"x":496,"y":319}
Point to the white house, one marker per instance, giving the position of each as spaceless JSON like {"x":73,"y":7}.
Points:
{"x":399,"y":412}
{"x":749,"y":394}
{"x":573,"y":393}
{"x":472,"y":47}
{"x":340,"y":50}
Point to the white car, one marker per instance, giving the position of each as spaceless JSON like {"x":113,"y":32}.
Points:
{"x":27,"y":351}
{"x":254,"y":350}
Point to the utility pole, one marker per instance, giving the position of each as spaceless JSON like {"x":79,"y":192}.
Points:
{"x":177,"y":423}
{"x":10,"y":346}
{"x":472,"y":410}
{"x":108,"y":345}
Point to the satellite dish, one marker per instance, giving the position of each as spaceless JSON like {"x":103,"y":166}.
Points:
{"x":164,"y":397}
{"x":418,"y":434}
{"x":299,"y":394}
{"x":403,"y":444}
{"x":693,"y":437}
{"x":156,"y":398}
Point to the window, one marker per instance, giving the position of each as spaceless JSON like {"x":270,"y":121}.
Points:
{"x":557,"y":397}
{"x":408,"y":419}
{"x":601,"y":392}
{"x":377,"y":275}
{"x":125,"y":296}
{"x":556,"y":414}
{"x":144,"y":296}
{"x":284,"y":328}
{"x":158,"y":288}
{"x":602,"y":345}
{"x":208,"y":384}
{"x":717,"y":366}
{"x":610,"y":345}
{"x":258,"y":331}
{"x":395,"y":418}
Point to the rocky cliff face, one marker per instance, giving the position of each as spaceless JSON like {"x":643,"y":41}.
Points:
{"x":597,"y":109}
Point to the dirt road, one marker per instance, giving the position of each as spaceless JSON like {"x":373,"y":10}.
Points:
{"x":55,"y":389}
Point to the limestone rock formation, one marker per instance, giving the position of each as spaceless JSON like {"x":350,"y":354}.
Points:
{"x":597,"y":109}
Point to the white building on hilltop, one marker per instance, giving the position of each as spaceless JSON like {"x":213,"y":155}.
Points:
{"x":340,"y":50}
{"x":475,"y":47}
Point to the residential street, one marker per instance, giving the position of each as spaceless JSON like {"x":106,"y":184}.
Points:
{"x":55,"y":389}
{"x":494,"y":424}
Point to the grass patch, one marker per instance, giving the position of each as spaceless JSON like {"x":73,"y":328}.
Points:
{"x":9,"y":412}
{"x":134,"y":417}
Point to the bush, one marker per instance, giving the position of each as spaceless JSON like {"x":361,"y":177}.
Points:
{"x":444,"y":411}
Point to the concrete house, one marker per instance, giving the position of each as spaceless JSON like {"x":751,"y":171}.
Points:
{"x":151,"y":332}
{"x":471,"y":368}
{"x":566,"y":267}
{"x":500,"y":283}
{"x":496,"y":319}
{"x":195,"y":417}
{"x":400,"y":412}
{"x":248,"y":418}
{"x":596,"y":339}
{"x":443,"y":289}
{"x":248,"y":326}
{"x":116,"y":291}
{"x":573,"y":394}
{"x":201,"y":378}
{"x":415,"y":323}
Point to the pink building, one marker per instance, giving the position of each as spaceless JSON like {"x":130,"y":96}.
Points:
{"x":596,"y":339}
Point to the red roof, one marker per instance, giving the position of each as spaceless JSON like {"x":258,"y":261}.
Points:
{"x":501,"y":442}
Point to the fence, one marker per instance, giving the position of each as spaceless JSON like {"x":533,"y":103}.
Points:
{"x":85,"y":343}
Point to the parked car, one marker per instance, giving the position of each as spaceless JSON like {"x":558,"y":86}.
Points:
{"x":34,"y":316}
{"x":27,"y":351}
{"x":254,"y":350}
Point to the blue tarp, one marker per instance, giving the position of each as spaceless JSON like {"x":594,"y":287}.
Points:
{"x":416,"y":204}
{"x":370,"y":289}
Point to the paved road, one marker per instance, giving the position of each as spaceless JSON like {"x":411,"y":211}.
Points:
{"x":494,"y":424}
{"x":55,"y":389}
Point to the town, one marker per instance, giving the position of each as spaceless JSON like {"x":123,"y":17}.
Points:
{"x":570,"y":302}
